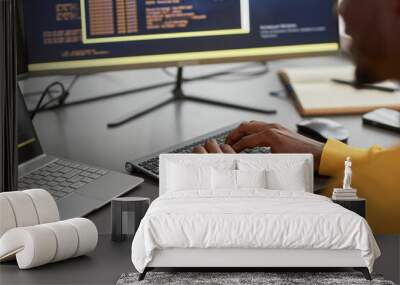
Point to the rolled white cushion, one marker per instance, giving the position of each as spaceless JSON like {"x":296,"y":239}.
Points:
{"x":67,"y":240}
{"x":87,"y":234}
{"x":46,"y":207}
{"x":7,"y":218}
{"x":33,"y":246}
{"x":41,"y":244}
{"x":23,"y":208}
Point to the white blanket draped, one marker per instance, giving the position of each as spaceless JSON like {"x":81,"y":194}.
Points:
{"x":250,"y":219}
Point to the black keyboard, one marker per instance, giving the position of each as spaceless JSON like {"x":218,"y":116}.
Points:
{"x":149,"y":165}
{"x":61,"y":177}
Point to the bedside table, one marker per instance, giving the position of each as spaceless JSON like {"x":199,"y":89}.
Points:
{"x":357,"y":206}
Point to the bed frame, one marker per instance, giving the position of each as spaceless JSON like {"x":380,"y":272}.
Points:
{"x":242,"y":259}
{"x":246,"y":259}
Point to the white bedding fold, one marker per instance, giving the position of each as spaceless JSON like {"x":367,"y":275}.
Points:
{"x":250,"y":219}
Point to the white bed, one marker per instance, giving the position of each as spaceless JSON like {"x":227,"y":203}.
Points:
{"x":248,"y":227}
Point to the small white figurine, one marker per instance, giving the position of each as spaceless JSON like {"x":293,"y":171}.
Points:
{"x":347,"y":174}
{"x":347,"y":193}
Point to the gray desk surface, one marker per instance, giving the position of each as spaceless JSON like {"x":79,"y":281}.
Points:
{"x":80,"y":133}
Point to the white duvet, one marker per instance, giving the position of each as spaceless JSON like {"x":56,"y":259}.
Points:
{"x":250,"y":219}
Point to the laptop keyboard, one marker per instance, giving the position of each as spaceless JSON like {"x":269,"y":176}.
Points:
{"x":61,"y":177}
{"x":151,"y":165}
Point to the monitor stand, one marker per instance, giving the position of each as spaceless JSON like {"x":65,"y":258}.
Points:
{"x":179,"y":95}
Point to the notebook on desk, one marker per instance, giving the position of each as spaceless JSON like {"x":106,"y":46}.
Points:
{"x":316,"y":94}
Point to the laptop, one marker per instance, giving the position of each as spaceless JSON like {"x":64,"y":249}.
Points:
{"x":77,"y":188}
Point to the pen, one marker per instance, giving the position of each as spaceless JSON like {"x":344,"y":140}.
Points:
{"x":365,"y":86}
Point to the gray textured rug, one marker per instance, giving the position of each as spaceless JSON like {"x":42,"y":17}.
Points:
{"x":183,"y":278}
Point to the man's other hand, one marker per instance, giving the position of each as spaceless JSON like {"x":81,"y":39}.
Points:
{"x":374,"y":27}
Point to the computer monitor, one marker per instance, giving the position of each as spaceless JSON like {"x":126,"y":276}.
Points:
{"x":74,"y":36}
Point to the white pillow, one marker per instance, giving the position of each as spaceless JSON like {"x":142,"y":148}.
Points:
{"x":251,"y":179}
{"x":287,"y":175}
{"x":224,"y":179}
{"x":188,"y":177}
{"x":293,"y":180}
{"x":238,"y":179}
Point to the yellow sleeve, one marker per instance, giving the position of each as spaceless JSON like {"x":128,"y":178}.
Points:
{"x":376,"y":176}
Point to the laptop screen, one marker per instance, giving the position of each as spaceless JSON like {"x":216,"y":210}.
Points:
{"x":28,"y":144}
